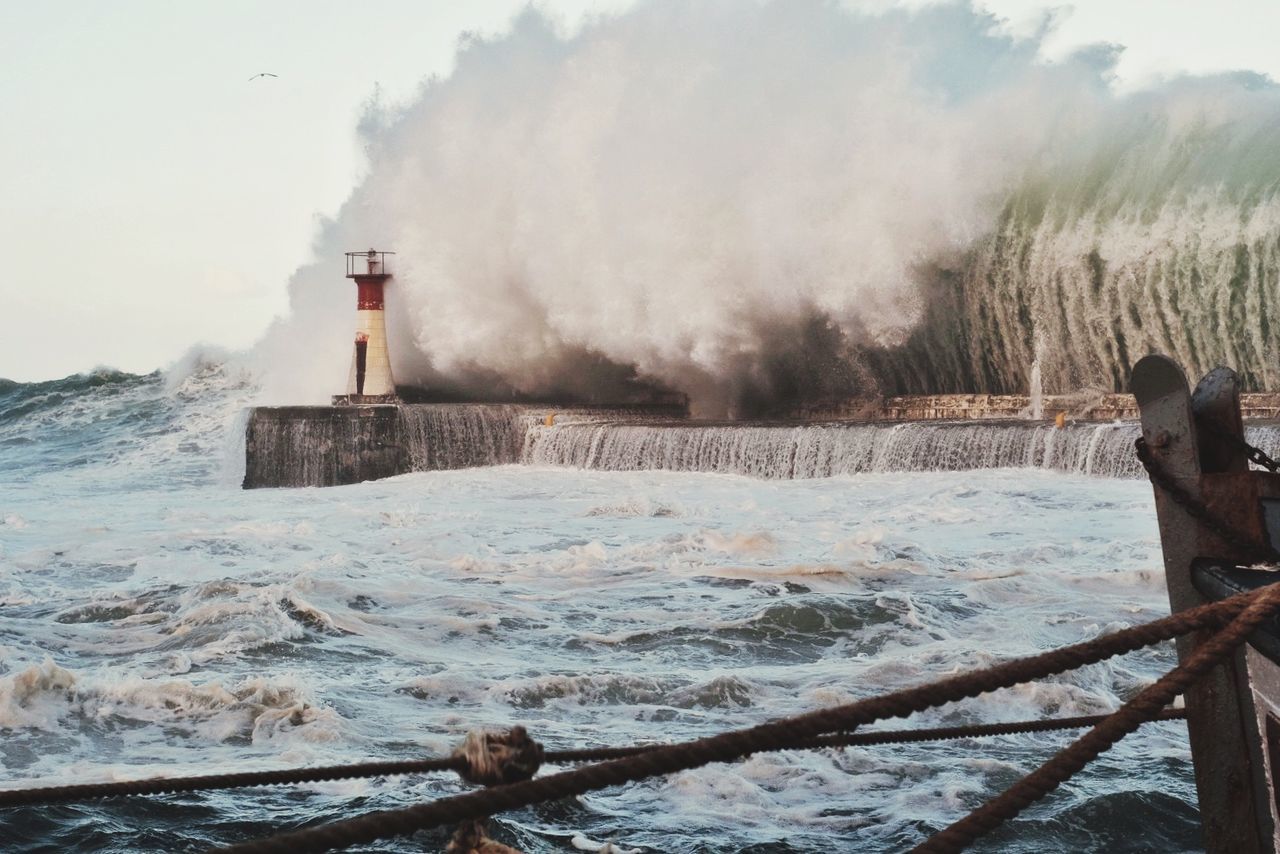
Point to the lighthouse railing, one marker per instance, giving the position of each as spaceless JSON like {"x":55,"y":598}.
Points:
{"x":370,"y":263}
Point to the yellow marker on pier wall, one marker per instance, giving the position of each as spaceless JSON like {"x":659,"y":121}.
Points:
{"x":1060,"y":421}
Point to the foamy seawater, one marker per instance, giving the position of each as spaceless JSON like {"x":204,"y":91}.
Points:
{"x":155,"y":619}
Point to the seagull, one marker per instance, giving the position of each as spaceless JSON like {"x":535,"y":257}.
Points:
{"x":263,"y":74}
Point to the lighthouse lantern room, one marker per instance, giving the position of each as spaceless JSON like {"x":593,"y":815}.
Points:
{"x":370,"y":380}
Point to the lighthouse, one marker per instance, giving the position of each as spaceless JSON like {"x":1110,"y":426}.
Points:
{"x":370,"y":380}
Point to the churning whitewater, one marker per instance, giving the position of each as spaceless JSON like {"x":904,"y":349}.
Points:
{"x":155,"y":619}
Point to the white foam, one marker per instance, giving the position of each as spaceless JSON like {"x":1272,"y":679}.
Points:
{"x":582,"y":843}
{"x":30,"y":698}
{"x":195,"y":627}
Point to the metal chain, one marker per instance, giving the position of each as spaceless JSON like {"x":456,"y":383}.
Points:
{"x":1256,"y":455}
{"x":1241,"y":540}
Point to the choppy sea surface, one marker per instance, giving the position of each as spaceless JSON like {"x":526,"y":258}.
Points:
{"x":157,"y":620}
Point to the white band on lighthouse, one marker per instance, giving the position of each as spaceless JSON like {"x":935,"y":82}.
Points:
{"x":378,"y":382}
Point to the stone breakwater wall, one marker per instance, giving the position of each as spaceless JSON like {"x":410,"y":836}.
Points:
{"x":296,"y":446}
{"x":332,"y":445}
{"x":293,"y":446}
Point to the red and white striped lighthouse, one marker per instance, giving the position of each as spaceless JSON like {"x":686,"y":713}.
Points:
{"x":370,"y":380}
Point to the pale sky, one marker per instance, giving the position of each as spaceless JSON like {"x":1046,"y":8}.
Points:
{"x":155,"y":198}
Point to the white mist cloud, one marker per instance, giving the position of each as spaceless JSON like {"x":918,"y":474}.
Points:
{"x":671,"y":186}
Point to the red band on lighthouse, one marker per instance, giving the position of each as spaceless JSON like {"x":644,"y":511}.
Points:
{"x":369,"y":294}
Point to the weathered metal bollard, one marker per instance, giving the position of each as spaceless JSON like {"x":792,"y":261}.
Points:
{"x":1196,"y":441}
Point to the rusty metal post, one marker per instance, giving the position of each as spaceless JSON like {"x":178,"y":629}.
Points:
{"x":1187,"y":436}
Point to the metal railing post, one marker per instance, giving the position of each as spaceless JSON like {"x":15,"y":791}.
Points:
{"x":1189,"y":436}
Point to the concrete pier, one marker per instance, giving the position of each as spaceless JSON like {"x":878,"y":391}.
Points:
{"x":290,"y":446}
{"x":323,"y":445}
{"x":294,"y":446}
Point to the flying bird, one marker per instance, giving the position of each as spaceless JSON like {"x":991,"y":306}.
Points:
{"x":263,"y":74}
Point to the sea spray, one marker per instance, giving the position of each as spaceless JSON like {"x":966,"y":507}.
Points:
{"x":1157,"y":233}
{"x":722,"y":198}
{"x":769,"y":203}
{"x":1035,"y":410}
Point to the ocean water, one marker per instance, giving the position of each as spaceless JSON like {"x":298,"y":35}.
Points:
{"x":157,"y":620}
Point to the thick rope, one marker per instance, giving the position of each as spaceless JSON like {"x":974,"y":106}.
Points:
{"x":781,"y":734}
{"x":472,"y":837}
{"x":157,"y":786}
{"x":892,"y":736}
{"x":1125,"y":720}
{"x":494,"y":758}
{"x":161,"y":786}
{"x":911,"y":736}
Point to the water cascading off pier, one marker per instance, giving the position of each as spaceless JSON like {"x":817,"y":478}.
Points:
{"x":319,"y":447}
